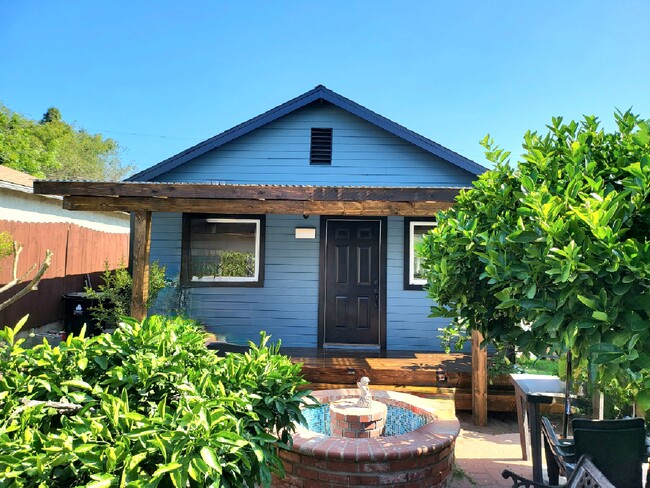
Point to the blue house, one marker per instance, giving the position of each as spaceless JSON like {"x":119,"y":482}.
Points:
{"x":300,"y":222}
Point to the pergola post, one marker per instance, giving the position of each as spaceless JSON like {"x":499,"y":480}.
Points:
{"x":141,"y":247}
{"x":479,"y":380}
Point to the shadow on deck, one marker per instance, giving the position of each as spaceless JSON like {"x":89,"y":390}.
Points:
{"x":427,"y":374}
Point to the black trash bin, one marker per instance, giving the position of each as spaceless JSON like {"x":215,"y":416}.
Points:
{"x":76,"y":314}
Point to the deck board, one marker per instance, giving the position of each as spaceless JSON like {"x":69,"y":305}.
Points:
{"x":428,"y":374}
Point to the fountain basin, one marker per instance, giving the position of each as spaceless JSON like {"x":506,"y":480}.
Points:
{"x":420,"y":458}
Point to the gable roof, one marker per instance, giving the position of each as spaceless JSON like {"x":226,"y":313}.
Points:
{"x":318,"y":93}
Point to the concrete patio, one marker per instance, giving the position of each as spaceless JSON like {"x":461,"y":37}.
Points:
{"x":482,"y":453}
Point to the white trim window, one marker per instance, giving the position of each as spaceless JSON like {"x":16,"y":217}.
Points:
{"x":225,"y":250}
{"x":417,"y":229}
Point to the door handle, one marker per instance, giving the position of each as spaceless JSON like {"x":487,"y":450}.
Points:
{"x":376,"y":300}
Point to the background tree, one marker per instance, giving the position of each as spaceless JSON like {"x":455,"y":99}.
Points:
{"x":53,"y":114}
{"x":553,"y":254}
{"x":54,"y":149}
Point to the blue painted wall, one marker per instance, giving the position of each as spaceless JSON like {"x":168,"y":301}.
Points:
{"x":287,"y":305}
{"x":362,"y":154}
{"x":408,"y":324}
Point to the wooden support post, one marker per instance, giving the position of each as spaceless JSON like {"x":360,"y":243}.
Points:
{"x":141,"y":246}
{"x":479,"y":380}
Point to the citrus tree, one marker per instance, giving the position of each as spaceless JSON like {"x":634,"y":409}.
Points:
{"x":552,"y":254}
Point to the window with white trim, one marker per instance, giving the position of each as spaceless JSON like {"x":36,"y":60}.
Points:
{"x":223,"y":250}
{"x":414,"y":231}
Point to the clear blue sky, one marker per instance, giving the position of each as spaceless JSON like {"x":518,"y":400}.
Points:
{"x":160,"y":76}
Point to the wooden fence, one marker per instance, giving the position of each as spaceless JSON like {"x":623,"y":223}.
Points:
{"x":77,"y":251}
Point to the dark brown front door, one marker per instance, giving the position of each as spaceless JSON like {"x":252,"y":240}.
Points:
{"x":353,"y":285}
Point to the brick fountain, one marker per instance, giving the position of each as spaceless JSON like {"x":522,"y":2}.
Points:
{"x":392,"y":439}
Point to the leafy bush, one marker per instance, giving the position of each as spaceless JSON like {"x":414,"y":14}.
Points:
{"x":113,"y":296}
{"x":552,"y":254}
{"x":6,"y":245}
{"x":154,"y":407}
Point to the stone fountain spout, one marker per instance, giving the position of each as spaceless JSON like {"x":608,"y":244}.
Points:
{"x":365,"y":397}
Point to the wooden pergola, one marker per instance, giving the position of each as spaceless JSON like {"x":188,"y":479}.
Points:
{"x":141,"y":199}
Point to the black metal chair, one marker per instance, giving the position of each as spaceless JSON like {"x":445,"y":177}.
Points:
{"x":585,"y":475}
{"x":616,"y":447}
{"x":555,"y":458}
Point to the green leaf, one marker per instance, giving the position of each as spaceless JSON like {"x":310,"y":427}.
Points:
{"x":82,"y":363}
{"x":532,"y":290}
{"x":588,"y":302}
{"x":523,"y":237}
{"x":607,"y":357}
{"x":621,"y":289}
{"x":82,"y":385}
{"x":635,"y":322}
{"x":178,"y":478}
{"x":262,"y":436}
{"x":135,"y":460}
{"x":555,"y":323}
{"x":209,"y":456}
{"x":101,"y":361}
{"x":604,"y":347}
{"x":103,"y":480}
{"x":200,"y":465}
{"x":166,"y":468}
{"x":602,"y":316}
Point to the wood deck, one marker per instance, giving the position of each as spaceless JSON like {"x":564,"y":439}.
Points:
{"x":427,"y":374}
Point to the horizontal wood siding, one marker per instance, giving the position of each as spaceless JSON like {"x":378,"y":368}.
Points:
{"x":286,"y":307}
{"x":362,"y":154}
{"x":408,"y":324}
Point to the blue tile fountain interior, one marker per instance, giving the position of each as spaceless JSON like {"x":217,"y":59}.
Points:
{"x":398,"y":420}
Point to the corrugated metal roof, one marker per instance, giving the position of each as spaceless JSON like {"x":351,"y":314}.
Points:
{"x":258,"y":185}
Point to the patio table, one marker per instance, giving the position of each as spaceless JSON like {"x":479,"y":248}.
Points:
{"x":532,"y":390}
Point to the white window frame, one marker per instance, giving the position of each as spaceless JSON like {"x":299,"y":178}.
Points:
{"x":412,"y":280}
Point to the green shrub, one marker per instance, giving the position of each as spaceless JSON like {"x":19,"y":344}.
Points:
{"x":155,"y":408}
{"x":6,"y":245}
{"x":234,"y":263}
{"x":113,"y":295}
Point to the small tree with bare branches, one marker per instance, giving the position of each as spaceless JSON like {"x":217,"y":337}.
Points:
{"x":9,"y":247}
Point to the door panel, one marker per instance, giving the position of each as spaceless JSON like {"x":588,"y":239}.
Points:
{"x":353,"y":282}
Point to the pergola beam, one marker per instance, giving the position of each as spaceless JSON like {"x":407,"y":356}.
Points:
{"x":241,"y":206}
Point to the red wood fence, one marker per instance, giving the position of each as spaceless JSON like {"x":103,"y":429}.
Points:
{"x":77,"y":251}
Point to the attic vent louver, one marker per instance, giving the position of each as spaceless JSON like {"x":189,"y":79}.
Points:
{"x":321,"y":146}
